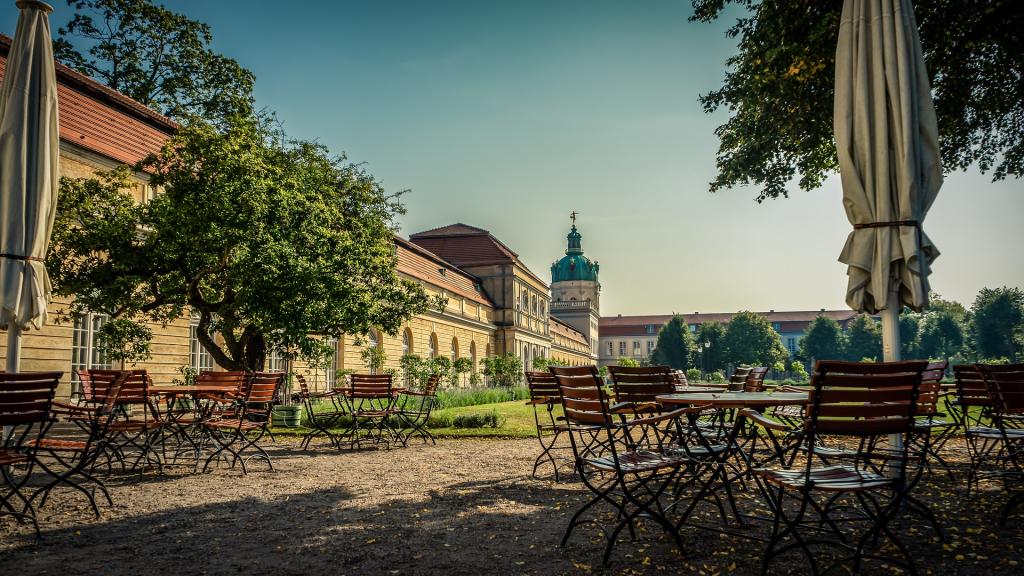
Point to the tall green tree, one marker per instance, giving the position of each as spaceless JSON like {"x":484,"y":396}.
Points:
{"x":998,"y":323}
{"x":824,"y":341}
{"x":268,"y":242}
{"x":675,"y":344}
{"x":158,"y":57}
{"x":710,"y":333}
{"x":910,"y":334}
{"x":779,"y":89}
{"x":942,"y":335}
{"x":863,"y":339}
{"x":750,"y":339}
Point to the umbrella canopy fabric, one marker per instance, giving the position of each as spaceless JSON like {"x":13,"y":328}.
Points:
{"x":29,"y":171}
{"x":889,"y":163}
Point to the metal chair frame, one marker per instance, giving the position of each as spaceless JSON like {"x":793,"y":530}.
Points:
{"x":413,"y":409}
{"x":25,"y":403}
{"x":321,"y":422}
{"x":543,"y":388}
{"x":249,"y":424}
{"x":857,"y":400}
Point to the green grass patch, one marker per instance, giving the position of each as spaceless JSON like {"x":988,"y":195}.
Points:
{"x":509,"y":419}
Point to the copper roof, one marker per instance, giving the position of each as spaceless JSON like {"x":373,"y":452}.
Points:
{"x":102,"y":120}
{"x":427,"y":266}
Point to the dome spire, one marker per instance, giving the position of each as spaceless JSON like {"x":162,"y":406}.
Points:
{"x":574,"y":237}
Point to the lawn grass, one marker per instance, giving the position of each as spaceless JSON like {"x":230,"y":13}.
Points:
{"x":516,"y":415}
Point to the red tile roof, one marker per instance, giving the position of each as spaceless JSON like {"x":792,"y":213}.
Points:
{"x":102,"y":120}
{"x":788,"y":320}
{"x":465,"y":245}
{"x":425,"y":265}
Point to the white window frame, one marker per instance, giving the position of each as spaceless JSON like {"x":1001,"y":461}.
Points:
{"x":84,"y":354}
{"x":199,"y":358}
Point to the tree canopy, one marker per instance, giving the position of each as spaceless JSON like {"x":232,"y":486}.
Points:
{"x":750,"y":339}
{"x":159,"y":58}
{"x":675,"y":344}
{"x":269,"y":242}
{"x":779,"y":89}
{"x":863,"y":339}
{"x":998,"y":323}
{"x":711,"y":333}
{"x":824,"y":340}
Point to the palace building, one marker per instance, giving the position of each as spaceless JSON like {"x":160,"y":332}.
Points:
{"x":495,"y":303}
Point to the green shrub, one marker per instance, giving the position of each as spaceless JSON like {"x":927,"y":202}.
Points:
{"x":693,"y":375}
{"x":486,"y":420}
{"x":439,"y":421}
{"x":717,"y":377}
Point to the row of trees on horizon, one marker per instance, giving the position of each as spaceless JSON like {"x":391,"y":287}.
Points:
{"x":990,"y":330}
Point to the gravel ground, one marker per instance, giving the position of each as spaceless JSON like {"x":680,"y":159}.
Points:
{"x":462,"y":507}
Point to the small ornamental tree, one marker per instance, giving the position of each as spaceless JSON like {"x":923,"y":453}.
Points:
{"x":750,"y":339}
{"x":824,"y":340}
{"x":863,"y":339}
{"x":628,"y":363}
{"x":711,"y":356}
{"x":505,"y":370}
{"x":462,"y":366}
{"x":998,"y":323}
{"x":675,"y":345}
{"x":125,"y":341}
{"x":268,"y":242}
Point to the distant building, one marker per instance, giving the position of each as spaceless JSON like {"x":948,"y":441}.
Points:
{"x":636,"y":336}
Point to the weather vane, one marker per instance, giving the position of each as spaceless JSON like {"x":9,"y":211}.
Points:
{"x":573,"y":216}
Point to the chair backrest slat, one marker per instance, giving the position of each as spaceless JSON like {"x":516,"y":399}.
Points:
{"x":369,"y":385}
{"x":1006,"y":387}
{"x":755,"y":379}
{"x":263,"y":387}
{"x":863,"y":399}
{"x":641,"y":384}
{"x":26,"y":397}
{"x":583,"y":400}
{"x":971,"y":389}
{"x":543,"y":386}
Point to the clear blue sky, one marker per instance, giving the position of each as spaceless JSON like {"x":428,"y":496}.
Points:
{"x":509,"y":115}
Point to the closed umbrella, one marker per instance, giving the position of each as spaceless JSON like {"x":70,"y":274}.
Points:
{"x":888,"y":149}
{"x":29,"y":150}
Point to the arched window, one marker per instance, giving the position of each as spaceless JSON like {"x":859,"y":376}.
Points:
{"x":433,"y":345}
{"x":373,"y":339}
{"x":406,"y":342}
{"x":455,"y":349}
{"x":472,"y":354}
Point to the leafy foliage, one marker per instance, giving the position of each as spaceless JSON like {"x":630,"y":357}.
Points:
{"x":155,"y":56}
{"x":863,"y":339}
{"x":675,"y":344}
{"x":627,"y":362}
{"x":711,"y":333}
{"x":824,"y":340}
{"x":750,"y":339}
{"x":268,"y":241}
{"x":125,"y":341}
{"x":998,"y":323}
{"x":779,"y":89}
{"x":373,"y":358}
{"x":505,"y":370}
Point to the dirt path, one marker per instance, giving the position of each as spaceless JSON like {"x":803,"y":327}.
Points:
{"x":461,"y":507}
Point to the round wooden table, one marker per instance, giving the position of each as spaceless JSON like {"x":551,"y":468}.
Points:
{"x":191,"y":390}
{"x":735,"y":399}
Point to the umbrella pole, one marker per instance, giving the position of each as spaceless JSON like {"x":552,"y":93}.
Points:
{"x":13,"y":346}
{"x":891,"y":346}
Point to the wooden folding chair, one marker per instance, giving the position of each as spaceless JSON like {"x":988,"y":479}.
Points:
{"x":78,"y":456}
{"x":631,"y":470}
{"x":324,"y":411}
{"x":862,"y":401}
{"x":25,"y":402}
{"x":543,"y":398}
{"x":413,"y":409}
{"x":1006,"y":388}
{"x":240,"y":433}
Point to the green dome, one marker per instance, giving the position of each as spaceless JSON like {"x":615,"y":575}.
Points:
{"x":574,"y":265}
